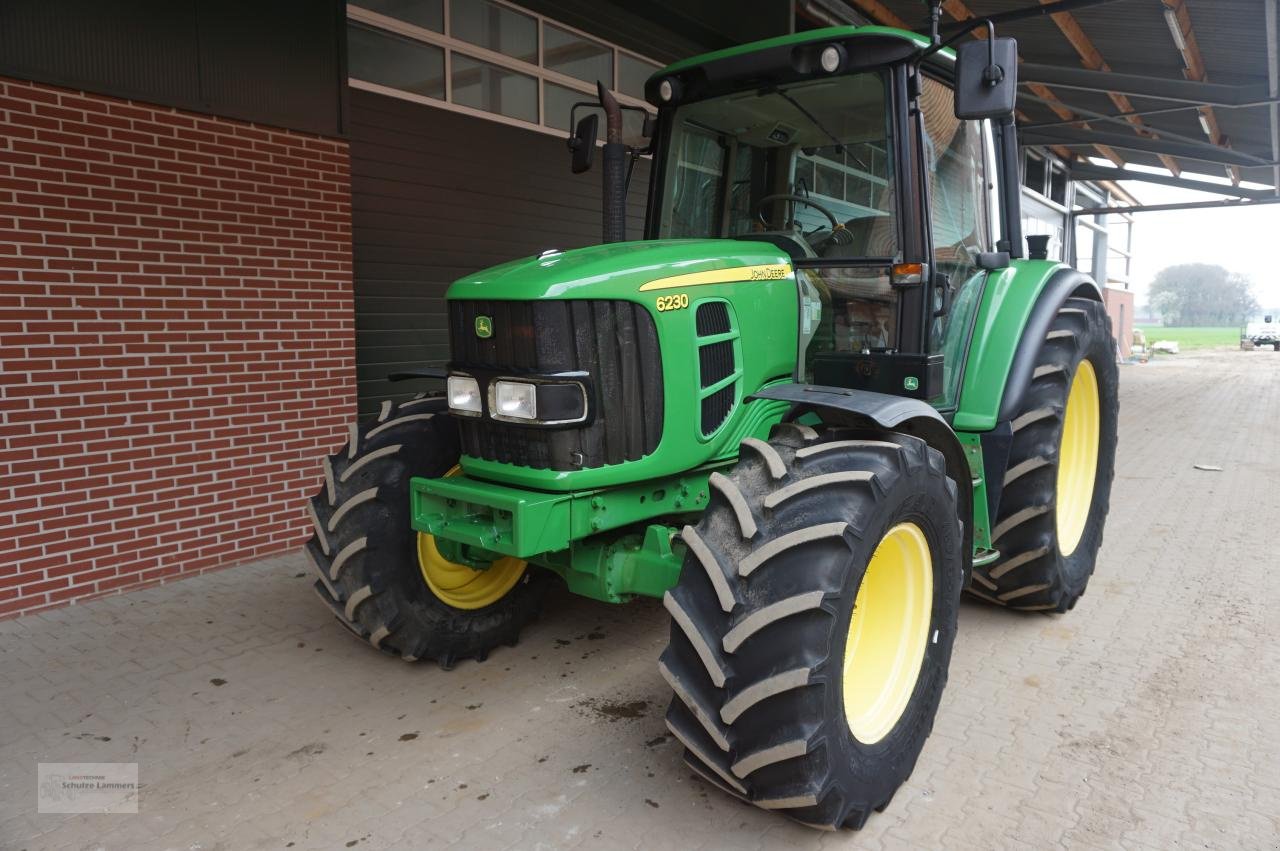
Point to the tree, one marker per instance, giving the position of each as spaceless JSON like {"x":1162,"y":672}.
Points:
{"x":1202,"y":294}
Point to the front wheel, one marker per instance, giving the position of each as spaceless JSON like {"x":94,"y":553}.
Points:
{"x":389,"y":584}
{"x":813,"y":621}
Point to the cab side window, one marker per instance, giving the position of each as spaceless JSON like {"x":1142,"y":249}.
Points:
{"x":956,"y":157}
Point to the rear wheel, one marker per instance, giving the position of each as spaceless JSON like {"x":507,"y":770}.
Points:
{"x":389,"y":584}
{"x":813,"y":621}
{"x":1057,"y":487}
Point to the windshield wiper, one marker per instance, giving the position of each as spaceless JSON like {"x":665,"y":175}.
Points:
{"x":840,"y":147}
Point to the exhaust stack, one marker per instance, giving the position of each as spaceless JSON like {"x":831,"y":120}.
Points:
{"x":615,"y":167}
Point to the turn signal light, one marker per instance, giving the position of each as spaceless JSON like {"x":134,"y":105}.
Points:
{"x":907,"y":273}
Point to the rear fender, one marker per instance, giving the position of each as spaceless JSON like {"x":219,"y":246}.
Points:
{"x":843,"y":406}
{"x":1018,"y":305}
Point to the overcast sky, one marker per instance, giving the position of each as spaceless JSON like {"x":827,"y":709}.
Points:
{"x":1245,"y":241}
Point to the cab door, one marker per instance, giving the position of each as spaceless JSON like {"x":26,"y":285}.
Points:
{"x":958,"y":161}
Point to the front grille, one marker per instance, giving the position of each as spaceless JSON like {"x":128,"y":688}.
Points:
{"x":614,"y":342}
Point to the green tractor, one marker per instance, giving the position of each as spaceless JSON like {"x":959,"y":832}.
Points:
{"x":820,"y":398}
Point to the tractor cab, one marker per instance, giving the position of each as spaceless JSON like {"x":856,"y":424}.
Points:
{"x":844,"y":149}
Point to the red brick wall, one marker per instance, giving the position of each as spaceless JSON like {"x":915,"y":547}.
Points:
{"x":176,"y":340}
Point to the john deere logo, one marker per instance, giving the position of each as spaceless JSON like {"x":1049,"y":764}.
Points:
{"x":911,"y":383}
{"x":484,"y":327}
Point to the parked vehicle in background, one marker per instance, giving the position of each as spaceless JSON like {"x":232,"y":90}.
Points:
{"x":1264,"y":333}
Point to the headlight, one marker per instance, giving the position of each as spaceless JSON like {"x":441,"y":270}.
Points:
{"x":514,"y":400}
{"x":543,"y":402}
{"x":464,"y":394}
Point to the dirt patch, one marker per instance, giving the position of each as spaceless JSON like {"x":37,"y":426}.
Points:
{"x":615,"y":710}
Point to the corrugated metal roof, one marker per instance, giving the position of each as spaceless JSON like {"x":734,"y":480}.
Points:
{"x":1132,"y":37}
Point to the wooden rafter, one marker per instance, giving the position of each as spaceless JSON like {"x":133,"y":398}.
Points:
{"x":880,"y":13}
{"x":958,"y":10}
{"x":1195,"y":70}
{"x":1092,"y":59}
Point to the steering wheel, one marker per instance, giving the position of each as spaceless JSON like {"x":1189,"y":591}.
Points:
{"x":795,"y":199}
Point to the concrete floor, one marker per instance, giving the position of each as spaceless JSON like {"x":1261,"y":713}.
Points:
{"x":1146,"y":718}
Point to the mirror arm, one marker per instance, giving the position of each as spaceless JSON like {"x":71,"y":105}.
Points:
{"x":993,"y":73}
{"x":965,"y":29}
{"x":573,"y":122}
{"x":573,"y":115}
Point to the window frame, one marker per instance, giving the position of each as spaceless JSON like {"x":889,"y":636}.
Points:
{"x":452,"y":45}
{"x":897,"y":160}
{"x":948,"y":402}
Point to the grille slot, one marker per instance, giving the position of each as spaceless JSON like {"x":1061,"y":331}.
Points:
{"x":716,"y":408}
{"x":717,"y":361}
{"x":713,"y":318}
{"x":615,"y":342}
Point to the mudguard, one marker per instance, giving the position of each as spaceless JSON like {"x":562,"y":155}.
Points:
{"x":1064,"y":284}
{"x":844,"y":406}
{"x":1018,"y":304}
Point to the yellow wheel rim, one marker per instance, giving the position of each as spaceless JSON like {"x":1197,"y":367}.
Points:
{"x":888,"y":633}
{"x":1078,"y":457}
{"x":460,"y":586}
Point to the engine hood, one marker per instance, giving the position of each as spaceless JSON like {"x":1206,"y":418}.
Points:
{"x":620,"y":270}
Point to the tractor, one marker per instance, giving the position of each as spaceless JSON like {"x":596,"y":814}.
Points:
{"x":825,"y":394}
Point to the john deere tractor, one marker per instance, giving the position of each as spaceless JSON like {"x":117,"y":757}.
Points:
{"x":822,"y":396}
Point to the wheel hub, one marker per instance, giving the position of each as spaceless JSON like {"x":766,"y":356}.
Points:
{"x":888,"y":633}
{"x":459,"y":585}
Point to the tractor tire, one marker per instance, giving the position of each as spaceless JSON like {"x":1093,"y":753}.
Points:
{"x":1057,"y":486}
{"x":766,"y":700}
{"x":367,"y":555}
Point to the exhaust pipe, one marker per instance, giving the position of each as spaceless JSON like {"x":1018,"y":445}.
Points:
{"x":614,"y":158}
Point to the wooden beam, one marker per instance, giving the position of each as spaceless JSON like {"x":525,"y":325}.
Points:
{"x":958,"y":10}
{"x":1195,"y":70}
{"x":1092,"y":59}
{"x":878,"y":12}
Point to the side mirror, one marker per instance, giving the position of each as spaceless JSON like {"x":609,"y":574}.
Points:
{"x":986,"y":78}
{"x":583,"y":142}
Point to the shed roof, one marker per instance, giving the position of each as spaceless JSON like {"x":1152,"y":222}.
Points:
{"x":1205,"y":103}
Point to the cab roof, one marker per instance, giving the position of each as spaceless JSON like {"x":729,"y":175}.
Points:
{"x":807,"y":37}
{"x":791,"y":57}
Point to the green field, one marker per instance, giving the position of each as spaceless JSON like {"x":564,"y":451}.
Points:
{"x":1194,"y":338}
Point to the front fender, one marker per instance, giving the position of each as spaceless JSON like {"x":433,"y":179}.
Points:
{"x":844,"y":406}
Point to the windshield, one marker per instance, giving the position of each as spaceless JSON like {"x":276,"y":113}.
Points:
{"x":806,"y":164}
